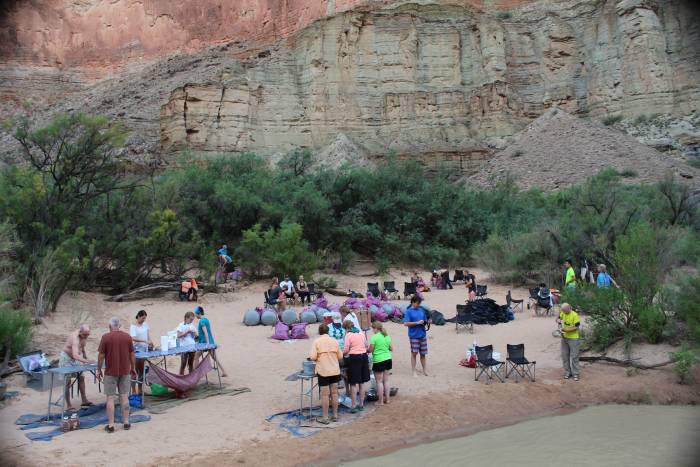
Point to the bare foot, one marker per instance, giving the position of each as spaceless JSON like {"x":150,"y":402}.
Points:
{"x":415,"y":375}
{"x":224,"y":375}
{"x":425,"y":373}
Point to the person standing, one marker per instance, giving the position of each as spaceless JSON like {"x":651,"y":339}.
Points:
{"x":380,"y":348}
{"x":604,"y":279}
{"x":204,"y":336}
{"x":570,"y":280}
{"x":470,"y":284}
{"x":141,"y":336}
{"x":570,"y":342}
{"x":414,"y":319}
{"x":357,"y":364}
{"x":73,"y":354}
{"x":186,"y":337}
{"x":326,"y":353}
{"x":117,"y":351}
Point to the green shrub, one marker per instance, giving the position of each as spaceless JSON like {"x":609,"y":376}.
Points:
{"x":327,"y":282}
{"x":684,"y":360}
{"x":641,"y":119}
{"x":611,"y":120}
{"x":15,"y":332}
{"x":504,"y":15}
{"x":277,"y":251}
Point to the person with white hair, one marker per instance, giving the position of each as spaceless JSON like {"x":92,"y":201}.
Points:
{"x":117,"y":351}
{"x":73,"y":354}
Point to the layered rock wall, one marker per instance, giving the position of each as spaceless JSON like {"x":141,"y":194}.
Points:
{"x":442,"y":80}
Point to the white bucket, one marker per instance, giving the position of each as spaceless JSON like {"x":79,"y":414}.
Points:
{"x":164,"y":343}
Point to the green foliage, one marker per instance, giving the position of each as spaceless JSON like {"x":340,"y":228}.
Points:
{"x":684,"y":360}
{"x":504,"y":15}
{"x":682,"y":298}
{"x":15,"y":332}
{"x":327,"y":282}
{"x":694,"y":161}
{"x":641,"y":119}
{"x":611,"y":120}
{"x":277,"y":251}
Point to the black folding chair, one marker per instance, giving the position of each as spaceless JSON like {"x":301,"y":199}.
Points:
{"x":465,"y":319}
{"x":481,"y":291}
{"x":272,"y":301}
{"x":373,"y":288}
{"x":518,"y":364}
{"x":513,"y":303}
{"x":459,"y":275}
{"x":390,"y":289}
{"x":409,"y":289}
{"x":489,"y":367}
{"x":312,"y":290}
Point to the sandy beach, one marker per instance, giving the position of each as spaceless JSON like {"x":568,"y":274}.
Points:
{"x":226,"y":429}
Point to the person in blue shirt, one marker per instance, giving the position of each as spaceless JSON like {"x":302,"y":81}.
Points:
{"x":223,"y":251}
{"x":604,"y":280}
{"x":204,"y":336}
{"x":415,"y":319}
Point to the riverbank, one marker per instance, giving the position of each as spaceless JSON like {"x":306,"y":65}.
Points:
{"x":225,"y":430}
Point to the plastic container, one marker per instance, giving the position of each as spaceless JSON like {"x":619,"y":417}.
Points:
{"x":308,"y":367}
{"x":164,"y":341}
{"x":158,"y":390}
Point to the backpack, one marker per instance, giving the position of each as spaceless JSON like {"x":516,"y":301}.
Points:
{"x":437,"y":318}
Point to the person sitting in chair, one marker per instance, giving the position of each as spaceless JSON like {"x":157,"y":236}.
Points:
{"x":303,"y":290}
{"x":288,"y":287}
{"x":542,"y":298}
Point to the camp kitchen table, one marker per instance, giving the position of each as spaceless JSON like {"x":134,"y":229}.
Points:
{"x":308,"y":383}
{"x":158,"y":357}
{"x":66,"y":372}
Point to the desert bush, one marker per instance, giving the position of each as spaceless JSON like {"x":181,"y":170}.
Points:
{"x":15,"y":332}
{"x":504,"y":15}
{"x":611,"y":120}
{"x":684,"y":360}
{"x":327,"y":282}
{"x":277,"y":251}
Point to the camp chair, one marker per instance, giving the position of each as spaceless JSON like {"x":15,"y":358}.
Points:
{"x":459,"y":275}
{"x":464,"y":319}
{"x":544,"y":303}
{"x":514,"y":304}
{"x":409,"y":289}
{"x":519,"y":365}
{"x":272,"y":301}
{"x":488,"y":366}
{"x":373,"y":288}
{"x":390,"y":289}
{"x":481,"y":291}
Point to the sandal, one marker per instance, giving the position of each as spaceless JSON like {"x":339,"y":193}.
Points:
{"x":109,"y":429}
{"x":353,"y":410}
{"x":567,"y":376}
{"x":334,"y":419}
{"x":575,"y":377}
{"x":127,"y":426}
{"x":322,"y":421}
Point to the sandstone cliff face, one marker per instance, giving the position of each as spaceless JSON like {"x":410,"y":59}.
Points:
{"x":439,"y":80}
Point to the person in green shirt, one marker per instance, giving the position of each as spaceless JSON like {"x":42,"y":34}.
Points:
{"x":380,"y":347}
{"x":570,"y":280}
{"x":570,"y":342}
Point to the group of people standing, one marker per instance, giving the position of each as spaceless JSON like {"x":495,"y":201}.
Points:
{"x":342,"y":348}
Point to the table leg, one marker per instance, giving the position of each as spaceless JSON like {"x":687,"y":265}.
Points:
{"x":218,"y":374}
{"x":63,"y":399}
{"x":48,"y":414}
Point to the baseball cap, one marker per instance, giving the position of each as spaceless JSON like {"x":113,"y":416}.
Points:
{"x":336,"y":317}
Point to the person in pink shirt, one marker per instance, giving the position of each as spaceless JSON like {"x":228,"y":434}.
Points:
{"x":355,"y":351}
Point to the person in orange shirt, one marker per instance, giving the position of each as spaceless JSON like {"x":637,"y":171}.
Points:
{"x":325,"y":351}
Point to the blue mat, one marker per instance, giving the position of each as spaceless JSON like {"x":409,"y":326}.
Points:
{"x":298,"y":426}
{"x":90,"y":417}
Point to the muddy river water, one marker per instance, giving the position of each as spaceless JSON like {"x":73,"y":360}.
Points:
{"x":609,"y":435}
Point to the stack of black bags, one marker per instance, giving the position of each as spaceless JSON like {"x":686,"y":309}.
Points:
{"x":487,"y":311}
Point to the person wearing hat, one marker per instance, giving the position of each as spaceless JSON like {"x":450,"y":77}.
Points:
{"x":204,"y":336}
{"x":336,"y":330}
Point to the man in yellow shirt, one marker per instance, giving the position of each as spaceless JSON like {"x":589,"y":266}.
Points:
{"x":570,"y":342}
{"x":570,"y":280}
{"x":325,"y":351}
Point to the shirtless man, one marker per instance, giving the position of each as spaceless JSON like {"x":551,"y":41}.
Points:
{"x":74,"y":354}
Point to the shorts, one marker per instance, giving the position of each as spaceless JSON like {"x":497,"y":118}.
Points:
{"x":327,"y":380}
{"x":358,"y":368}
{"x":114,"y":383}
{"x":65,"y":360}
{"x":380,"y":367}
{"x":419,"y":345}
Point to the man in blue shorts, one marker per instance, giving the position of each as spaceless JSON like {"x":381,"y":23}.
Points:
{"x":414,"y":319}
